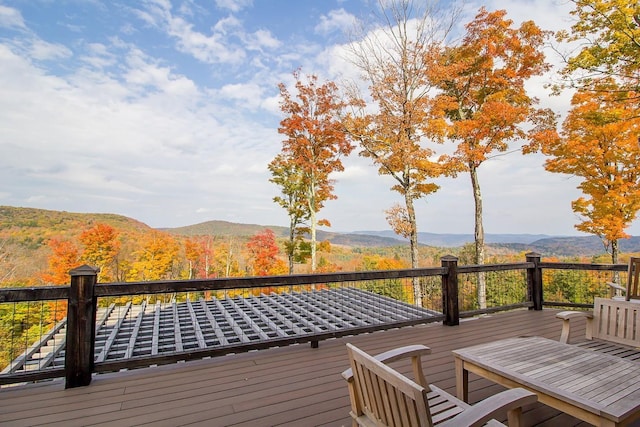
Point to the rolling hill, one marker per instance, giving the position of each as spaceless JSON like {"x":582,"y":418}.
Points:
{"x":225,"y":228}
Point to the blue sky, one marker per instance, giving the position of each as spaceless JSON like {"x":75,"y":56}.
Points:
{"x":167,"y":111}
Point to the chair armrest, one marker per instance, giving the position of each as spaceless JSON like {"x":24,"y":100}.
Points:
{"x":410,"y":351}
{"x":566,"y":317}
{"x":616,"y":289}
{"x":616,"y":286}
{"x":509,"y":401}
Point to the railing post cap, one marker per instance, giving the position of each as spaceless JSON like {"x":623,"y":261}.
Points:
{"x":449,"y":258}
{"x":84,"y":270}
{"x":533,"y":255}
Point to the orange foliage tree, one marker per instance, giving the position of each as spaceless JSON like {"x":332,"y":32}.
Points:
{"x":600,"y":144}
{"x":65,"y":257}
{"x":263,"y":254}
{"x":101,"y":247}
{"x":315,"y":141}
{"x":483,"y":103}
{"x":192,"y":254}
{"x":199,"y":254}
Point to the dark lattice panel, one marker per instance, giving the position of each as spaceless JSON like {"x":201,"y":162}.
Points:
{"x":142,"y":330}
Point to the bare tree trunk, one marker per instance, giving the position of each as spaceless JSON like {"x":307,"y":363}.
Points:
{"x":229,"y":257}
{"x":614,"y":251}
{"x":292,"y":244}
{"x":413,"y":239}
{"x":479,"y":236}
{"x":313,"y":240}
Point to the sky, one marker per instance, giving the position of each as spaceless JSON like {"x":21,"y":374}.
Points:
{"x":167,"y":111}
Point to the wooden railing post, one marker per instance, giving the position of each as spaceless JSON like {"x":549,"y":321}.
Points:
{"x":534,"y":281}
{"x":450,"y":305}
{"x":81,"y":327}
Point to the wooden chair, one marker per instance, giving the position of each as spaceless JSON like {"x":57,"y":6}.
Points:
{"x":381,"y":396}
{"x":632,"y":290}
{"x":609,"y":326}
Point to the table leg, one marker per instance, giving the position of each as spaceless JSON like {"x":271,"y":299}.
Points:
{"x":462,"y":380}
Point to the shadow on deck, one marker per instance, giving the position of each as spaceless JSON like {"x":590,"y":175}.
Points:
{"x":294,"y":386}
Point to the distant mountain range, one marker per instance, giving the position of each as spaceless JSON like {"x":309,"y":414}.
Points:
{"x":545,"y":244}
{"x":455,"y":240}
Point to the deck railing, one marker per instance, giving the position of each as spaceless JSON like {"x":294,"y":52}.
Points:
{"x":350,"y":303}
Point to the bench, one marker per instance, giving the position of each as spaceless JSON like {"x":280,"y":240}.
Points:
{"x":381,"y":396}
{"x":612,"y":327}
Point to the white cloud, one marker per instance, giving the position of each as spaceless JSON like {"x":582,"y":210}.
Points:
{"x":212,"y":48}
{"x":44,"y":51}
{"x":335,"y":20}
{"x":233,"y":5}
{"x":227,"y":25}
{"x":262,"y":39}
{"x":248,"y":94}
{"x":11,"y":18}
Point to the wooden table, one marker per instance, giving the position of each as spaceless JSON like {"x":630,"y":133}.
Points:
{"x":597,"y":388}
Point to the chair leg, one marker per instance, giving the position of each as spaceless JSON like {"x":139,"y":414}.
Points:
{"x":514,"y":417}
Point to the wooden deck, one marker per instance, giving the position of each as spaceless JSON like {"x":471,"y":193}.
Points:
{"x":291,"y":386}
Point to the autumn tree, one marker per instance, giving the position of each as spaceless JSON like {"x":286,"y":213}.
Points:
{"x":390,"y":128}
{"x":101,"y":247}
{"x":605,"y":70}
{"x":315,"y":142}
{"x":608,"y":36}
{"x":483,"y":104}
{"x":192,"y":252}
{"x":263,"y":254}
{"x":199,"y":253}
{"x":64,"y":257}
{"x":224,"y":261}
{"x":156,"y":257}
{"x":600,"y":145}
{"x":290,"y":178}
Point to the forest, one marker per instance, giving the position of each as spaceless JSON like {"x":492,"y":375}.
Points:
{"x":39,"y":247}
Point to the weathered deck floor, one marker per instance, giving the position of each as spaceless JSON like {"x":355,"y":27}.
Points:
{"x":294,"y":386}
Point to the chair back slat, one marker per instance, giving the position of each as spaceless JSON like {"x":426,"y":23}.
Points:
{"x":385,"y":395}
{"x":633,"y":279}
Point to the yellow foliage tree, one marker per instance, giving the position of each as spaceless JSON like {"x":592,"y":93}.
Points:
{"x":609,"y":36}
{"x":156,"y":257}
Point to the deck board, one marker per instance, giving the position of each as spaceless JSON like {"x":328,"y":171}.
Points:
{"x":288,"y":386}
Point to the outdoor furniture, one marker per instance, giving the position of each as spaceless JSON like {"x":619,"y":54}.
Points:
{"x":632,"y":290}
{"x":381,"y":396}
{"x":611,"y":323}
{"x":597,"y":388}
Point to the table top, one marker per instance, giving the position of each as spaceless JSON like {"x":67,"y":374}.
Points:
{"x":605,"y":385}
